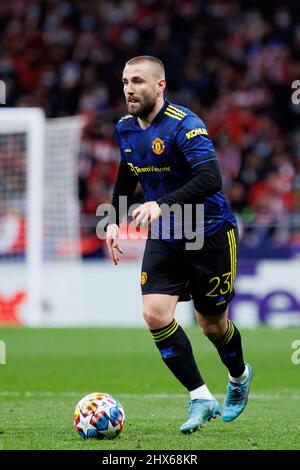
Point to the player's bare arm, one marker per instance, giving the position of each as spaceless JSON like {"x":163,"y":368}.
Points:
{"x":146,"y":213}
{"x":112,"y":242}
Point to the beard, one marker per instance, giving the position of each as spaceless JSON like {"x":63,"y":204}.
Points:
{"x":143,"y":108}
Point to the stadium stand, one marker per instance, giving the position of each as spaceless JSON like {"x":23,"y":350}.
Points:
{"x":232,"y":62}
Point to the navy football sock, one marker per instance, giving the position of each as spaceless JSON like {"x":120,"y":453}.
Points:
{"x":176,"y":352}
{"x":230,"y":350}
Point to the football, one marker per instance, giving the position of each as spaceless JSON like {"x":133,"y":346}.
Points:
{"x":99,"y":416}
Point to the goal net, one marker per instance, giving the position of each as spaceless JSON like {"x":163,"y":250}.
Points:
{"x":39,"y":215}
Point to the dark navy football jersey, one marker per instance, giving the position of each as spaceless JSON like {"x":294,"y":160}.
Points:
{"x":168,"y":154}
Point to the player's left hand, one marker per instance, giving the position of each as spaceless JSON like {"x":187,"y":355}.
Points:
{"x":145,"y":214}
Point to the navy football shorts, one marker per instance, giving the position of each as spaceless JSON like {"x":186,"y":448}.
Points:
{"x":206,"y":275}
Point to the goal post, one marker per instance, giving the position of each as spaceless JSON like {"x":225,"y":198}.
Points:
{"x":39,"y":208}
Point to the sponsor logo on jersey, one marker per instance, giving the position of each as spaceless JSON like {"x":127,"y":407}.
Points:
{"x":195,"y":132}
{"x":158,"y":146}
{"x":148,"y":169}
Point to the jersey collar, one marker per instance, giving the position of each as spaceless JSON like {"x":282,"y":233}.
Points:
{"x":157,"y":117}
{"x":160,"y":113}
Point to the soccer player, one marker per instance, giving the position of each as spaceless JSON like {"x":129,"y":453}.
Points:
{"x":166,"y":148}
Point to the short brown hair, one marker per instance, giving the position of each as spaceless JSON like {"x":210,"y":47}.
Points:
{"x":157,"y":63}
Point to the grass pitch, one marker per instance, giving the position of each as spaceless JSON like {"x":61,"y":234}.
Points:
{"x":49,"y":370}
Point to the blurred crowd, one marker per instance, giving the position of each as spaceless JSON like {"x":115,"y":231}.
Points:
{"x":232,"y":62}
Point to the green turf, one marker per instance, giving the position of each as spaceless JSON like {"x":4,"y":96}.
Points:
{"x":49,"y":370}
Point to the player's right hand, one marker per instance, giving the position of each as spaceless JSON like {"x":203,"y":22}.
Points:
{"x":112,"y":242}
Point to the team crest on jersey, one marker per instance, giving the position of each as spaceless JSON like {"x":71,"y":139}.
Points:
{"x":143,"y":278}
{"x":158,"y":146}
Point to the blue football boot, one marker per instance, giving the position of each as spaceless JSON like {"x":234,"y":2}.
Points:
{"x":236,"y":398}
{"x":200,"y":411}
